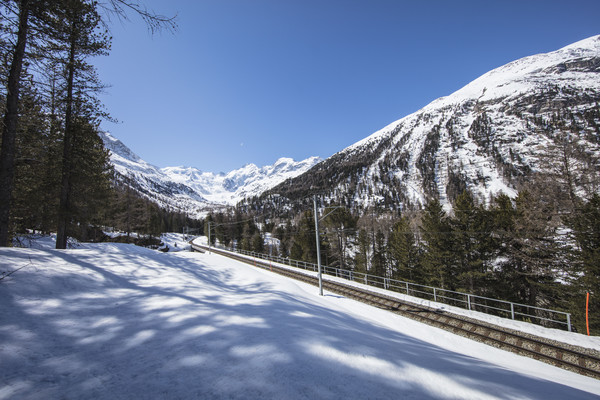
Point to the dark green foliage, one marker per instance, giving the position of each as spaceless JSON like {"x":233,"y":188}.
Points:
{"x":361,"y":259}
{"x":339,"y":226}
{"x":439,"y":260}
{"x":53,"y":166}
{"x":403,"y":252}
{"x":585,"y":224}
{"x":129,"y":212}
{"x":471,"y":237}
{"x":305,"y":240}
{"x":257,"y":243}
{"x":379,"y":266}
{"x":36,"y":170}
{"x":528,"y":269}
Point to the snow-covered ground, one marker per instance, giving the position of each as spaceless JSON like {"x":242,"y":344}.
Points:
{"x":115,"y":321}
{"x":591,"y":342}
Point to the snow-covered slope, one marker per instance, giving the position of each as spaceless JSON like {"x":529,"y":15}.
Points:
{"x":193,"y":191}
{"x":487,"y":137}
{"x":238,"y":184}
{"x":110,"y":321}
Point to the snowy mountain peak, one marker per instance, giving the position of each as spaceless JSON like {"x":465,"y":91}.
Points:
{"x":591,"y":44}
{"x":191,"y":190}
{"x":487,"y":137}
{"x":117,"y":147}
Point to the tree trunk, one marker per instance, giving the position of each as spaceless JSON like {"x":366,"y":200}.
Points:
{"x":9,"y":131}
{"x":64,"y":208}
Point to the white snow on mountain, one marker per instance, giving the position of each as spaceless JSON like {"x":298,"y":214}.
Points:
{"x":512,"y":103}
{"x":238,"y":184}
{"x":193,"y":191}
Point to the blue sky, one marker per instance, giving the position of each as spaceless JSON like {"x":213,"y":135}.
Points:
{"x":250,"y":81}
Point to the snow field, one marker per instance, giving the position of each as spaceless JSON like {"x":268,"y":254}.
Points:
{"x":560,"y":335}
{"x":114,"y":321}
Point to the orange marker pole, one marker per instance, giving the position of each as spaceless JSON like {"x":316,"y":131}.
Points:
{"x":587,"y":307}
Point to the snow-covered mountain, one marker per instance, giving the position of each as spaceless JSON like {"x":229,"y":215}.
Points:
{"x":487,"y":137}
{"x":248,"y":181}
{"x":193,"y":191}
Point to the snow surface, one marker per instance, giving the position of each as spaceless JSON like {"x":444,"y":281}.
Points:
{"x":577,"y":339}
{"x":115,"y":321}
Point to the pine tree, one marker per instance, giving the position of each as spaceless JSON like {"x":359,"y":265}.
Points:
{"x":31,"y":191}
{"x":527,"y":269}
{"x":403,"y":252}
{"x":585,"y":225}
{"x":257,"y":242}
{"x":305,"y":238}
{"x":339,"y":226}
{"x":50,"y":28}
{"x":77,"y":38}
{"x":361,"y":259}
{"x":26,"y":11}
{"x":471,"y":239}
{"x":379,"y":259}
{"x":439,"y":261}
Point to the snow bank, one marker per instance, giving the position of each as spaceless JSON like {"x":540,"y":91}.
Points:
{"x":114,"y":321}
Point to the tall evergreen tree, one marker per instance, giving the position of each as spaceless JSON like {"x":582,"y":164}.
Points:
{"x":471,"y":240}
{"x":379,"y":260}
{"x":532,"y":253}
{"x":362,"y":257}
{"x":51,"y":27}
{"x":439,"y":261}
{"x":585,"y":225}
{"x":257,"y":242}
{"x":403,"y":252}
{"x":26,"y":8}
{"x":339,"y":227}
{"x":77,"y":38}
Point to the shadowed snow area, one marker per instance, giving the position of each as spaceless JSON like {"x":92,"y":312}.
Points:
{"x":120,"y":322}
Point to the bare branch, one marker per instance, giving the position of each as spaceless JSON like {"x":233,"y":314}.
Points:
{"x":5,"y":274}
{"x":154,"y":22}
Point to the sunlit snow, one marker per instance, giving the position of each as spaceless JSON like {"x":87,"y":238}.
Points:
{"x":114,"y":321}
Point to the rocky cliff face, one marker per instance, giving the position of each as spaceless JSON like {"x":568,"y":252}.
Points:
{"x":487,"y":137}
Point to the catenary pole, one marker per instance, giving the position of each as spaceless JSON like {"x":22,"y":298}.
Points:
{"x":208,"y":237}
{"x":318,"y":246}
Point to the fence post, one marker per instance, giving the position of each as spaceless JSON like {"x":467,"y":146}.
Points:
{"x":569,"y":321}
{"x":469,"y":301}
{"x":512,"y":310}
{"x":434,"y":295}
{"x":407,"y":288}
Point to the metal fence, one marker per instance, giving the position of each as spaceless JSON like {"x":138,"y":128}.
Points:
{"x":501,"y":308}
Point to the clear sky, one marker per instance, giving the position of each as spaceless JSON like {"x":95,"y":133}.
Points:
{"x":250,"y":81}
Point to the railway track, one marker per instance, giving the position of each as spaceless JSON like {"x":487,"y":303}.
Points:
{"x":577,"y":359}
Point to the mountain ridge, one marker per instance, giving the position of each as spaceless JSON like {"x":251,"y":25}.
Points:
{"x":486,"y":137}
{"x":190,"y":190}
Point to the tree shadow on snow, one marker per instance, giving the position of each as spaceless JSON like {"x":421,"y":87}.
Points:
{"x":188,"y":328}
